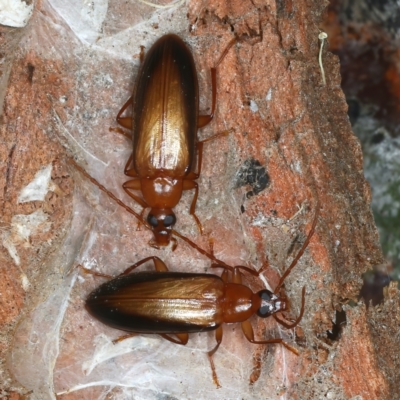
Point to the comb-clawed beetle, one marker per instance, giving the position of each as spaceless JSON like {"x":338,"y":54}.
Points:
{"x":176,"y":303}
{"x":164,"y":127}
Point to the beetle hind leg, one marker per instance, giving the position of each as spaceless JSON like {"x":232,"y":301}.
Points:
{"x":183,"y":338}
{"x":94,"y":273}
{"x":124,"y":337}
{"x":218,"y":338}
{"x":125,"y":122}
{"x":203,"y":120}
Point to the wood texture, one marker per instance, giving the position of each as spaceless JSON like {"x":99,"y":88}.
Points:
{"x":285,"y":122}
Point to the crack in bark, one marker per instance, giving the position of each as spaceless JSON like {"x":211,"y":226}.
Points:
{"x":8,"y":173}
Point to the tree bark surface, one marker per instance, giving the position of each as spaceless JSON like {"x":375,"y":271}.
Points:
{"x":290,"y":151}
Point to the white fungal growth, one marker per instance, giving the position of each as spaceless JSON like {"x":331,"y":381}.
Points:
{"x":22,"y":227}
{"x":15,"y":13}
{"x":37,"y":189}
{"x":253,"y":106}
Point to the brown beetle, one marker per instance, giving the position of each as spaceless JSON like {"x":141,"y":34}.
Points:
{"x":167,"y":303}
{"x":164,"y":133}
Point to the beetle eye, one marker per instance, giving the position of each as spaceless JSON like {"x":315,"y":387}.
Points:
{"x":152,"y":220}
{"x":169,"y":220}
{"x":267,"y":307}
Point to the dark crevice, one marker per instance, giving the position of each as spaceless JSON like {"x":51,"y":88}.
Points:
{"x":8,"y":172}
{"x":254,"y":174}
{"x":337,"y":326}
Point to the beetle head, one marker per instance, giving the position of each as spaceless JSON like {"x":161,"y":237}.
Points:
{"x":271,"y":303}
{"x":162,"y":222}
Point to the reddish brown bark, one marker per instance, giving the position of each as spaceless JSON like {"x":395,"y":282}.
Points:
{"x":271,"y":93}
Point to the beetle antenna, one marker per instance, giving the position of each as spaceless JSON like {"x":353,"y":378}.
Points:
{"x":302,"y":250}
{"x":200,"y":250}
{"x":225,"y":52}
{"x":109,"y":194}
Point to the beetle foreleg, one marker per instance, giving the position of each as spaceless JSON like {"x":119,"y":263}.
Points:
{"x":134,"y":184}
{"x":225,"y":276}
{"x":236,"y":276}
{"x":189,"y":184}
{"x":249,"y":333}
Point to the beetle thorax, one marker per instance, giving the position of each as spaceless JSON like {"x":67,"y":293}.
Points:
{"x":162,"y":192}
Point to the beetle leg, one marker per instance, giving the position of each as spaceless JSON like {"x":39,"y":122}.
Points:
{"x":142,"y":54}
{"x":189,"y":184}
{"x":217,"y":135}
{"x":249,"y":333}
{"x":121,"y":132}
{"x":236,"y":276}
{"x":134,"y":184}
{"x":182,"y":338}
{"x":194,"y":175}
{"x":121,"y":338}
{"x":126,"y":122}
{"x":264,"y":267}
{"x":94,"y":273}
{"x":225,"y":276}
{"x":218,"y":338}
{"x":130,"y":171}
{"x":174,"y":243}
{"x":203,"y":120}
{"x":159,"y":265}
{"x":211,"y":245}
{"x":113,"y":197}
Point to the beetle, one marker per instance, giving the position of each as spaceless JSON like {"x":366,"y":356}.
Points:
{"x":177,"y":303}
{"x":164,"y":126}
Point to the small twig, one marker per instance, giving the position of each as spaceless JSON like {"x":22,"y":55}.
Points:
{"x":322,"y":36}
